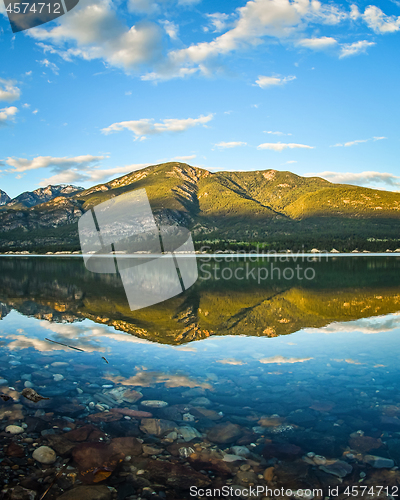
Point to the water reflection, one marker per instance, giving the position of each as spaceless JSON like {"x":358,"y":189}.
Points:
{"x":62,"y":290}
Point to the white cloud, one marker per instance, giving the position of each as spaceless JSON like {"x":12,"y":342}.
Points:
{"x":273,"y":81}
{"x":171,"y":29}
{"x":54,"y":68}
{"x":367,"y":178}
{"x":275,"y":133}
{"x":142,"y":128}
{"x":290,"y":162}
{"x":180,"y":73}
{"x":356,"y":142}
{"x":7,"y":115}
{"x":97,"y":33}
{"x":324,"y":42}
{"x":255,"y":20}
{"x":380,"y":22}
{"x":9,"y":92}
{"x":279,"y":146}
{"x":57,"y":164}
{"x":77,"y":169}
{"x":353,"y":49}
{"x":90,"y":175}
{"x":228,"y":145}
{"x":218,"y":21}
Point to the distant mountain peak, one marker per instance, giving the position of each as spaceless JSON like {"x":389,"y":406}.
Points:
{"x":40,"y":195}
{"x":4,"y":198}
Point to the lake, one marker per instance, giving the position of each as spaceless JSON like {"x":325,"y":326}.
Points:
{"x":279,"y":373}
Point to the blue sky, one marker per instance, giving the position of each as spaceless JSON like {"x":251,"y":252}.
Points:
{"x":300,"y":85}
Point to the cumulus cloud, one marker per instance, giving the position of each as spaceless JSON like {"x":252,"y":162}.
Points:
{"x":273,"y":81}
{"x":90,"y":175}
{"x":280,"y":146}
{"x":254,"y":21}
{"x":96,"y":32}
{"x":70,"y":170}
{"x":142,"y":128}
{"x":324,"y":42}
{"x":93,"y":30}
{"x":380,"y":22}
{"x":228,"y":145}
{"x":356,"y":142}
{"x":353,"y":49}
{"x":9,"y":92}
{"x":57,"y":164}
{"x":367,"y":178}
{"x":7,"y":115}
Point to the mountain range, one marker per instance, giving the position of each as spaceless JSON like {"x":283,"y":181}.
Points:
{"x":224,"y":210}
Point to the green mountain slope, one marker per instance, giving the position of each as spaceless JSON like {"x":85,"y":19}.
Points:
{"x":225,"y":210}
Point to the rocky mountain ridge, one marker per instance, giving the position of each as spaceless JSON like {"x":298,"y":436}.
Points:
{"x":29,"y":199}
{"x":228,"y":209}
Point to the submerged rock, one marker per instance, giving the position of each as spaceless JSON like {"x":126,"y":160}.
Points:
{"x":157,"y":426}
{"x":337,"y":468}
{"x":14,"y":429}
{"x":225,"y":433}
{"x":44,"y":455}
{"x":378,"y":462}
{"x":154,"y":403}
{"x":98,"y":492}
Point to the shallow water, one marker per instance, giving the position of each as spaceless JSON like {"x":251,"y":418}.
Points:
{"x":286,"y":366}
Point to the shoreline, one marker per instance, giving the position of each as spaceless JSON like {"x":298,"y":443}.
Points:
{"x":287,"y":254}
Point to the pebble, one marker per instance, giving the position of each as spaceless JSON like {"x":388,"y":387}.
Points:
{"x":28,"y":384}
{"x":14,"y":429}
{"x":154,"y":403}
{"x":45,"y":455}
{"x":3,"y":381}
{"x":58,"y":377}
{"x":378,"y":462}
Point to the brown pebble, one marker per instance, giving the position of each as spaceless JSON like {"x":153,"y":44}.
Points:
{"x":269,"y":474}
{"x":15,"y":467}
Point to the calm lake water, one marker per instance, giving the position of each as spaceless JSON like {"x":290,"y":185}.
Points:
{"x":244,"y":377}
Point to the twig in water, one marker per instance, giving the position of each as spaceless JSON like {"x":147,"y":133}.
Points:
{"x":104,"y":359}
{"x":55,"y":479}
{"x":65,"y":345}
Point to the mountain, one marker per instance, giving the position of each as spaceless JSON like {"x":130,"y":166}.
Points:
{"x":4,"y":198}
{"x":42,"y":195}
{"x":224,"y":210}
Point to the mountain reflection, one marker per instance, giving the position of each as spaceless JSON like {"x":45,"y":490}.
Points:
{"x":61,"y":290}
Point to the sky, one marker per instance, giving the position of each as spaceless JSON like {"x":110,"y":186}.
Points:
{"x":301,"y":85}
